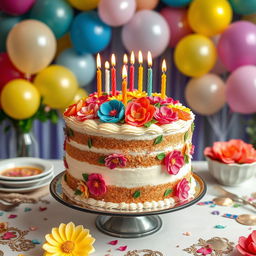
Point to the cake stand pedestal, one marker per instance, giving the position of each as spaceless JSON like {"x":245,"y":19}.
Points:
{"x":124,"y":223}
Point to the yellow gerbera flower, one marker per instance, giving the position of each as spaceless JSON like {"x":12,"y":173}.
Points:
{"x":69,"y":240}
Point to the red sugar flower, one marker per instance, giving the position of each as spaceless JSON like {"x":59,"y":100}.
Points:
{"x":181,"y":189}
{"x":173,"y":162}
{"x":96,"y":184}
{"x":165,"y":115}
{"x":247,"y":246}
{"x":115,"y":160}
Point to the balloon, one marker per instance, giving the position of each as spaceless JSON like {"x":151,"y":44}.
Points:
{"x":84,"y":5}
{"x":146,"y":5}
{"x":206,"y":94}
{"x":250,"y":17}
{"x":237,"y":45}
{"x":20,"y":99}
{"x":146,"y":31}
{"x":176,"y":3}
{"x":116,"y":12}
{"x":241,"y":90}
{"x":57,"y":86}
{"x":16,"y":7}
{"x":195,"y":55}
{"x":31,"y":46}
{"x":89,"y":34}
{"x":7,"y":22}
{"x":177,"y":22}
{"x":63,"y":43}
{"x":57,"y":14}
{"x":243,"y":7}
{"x":83,"y":66}
{"x":8,"y":71}
{"x":209,"y":17}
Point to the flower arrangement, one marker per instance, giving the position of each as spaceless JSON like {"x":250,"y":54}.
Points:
{"x":247,"y":245}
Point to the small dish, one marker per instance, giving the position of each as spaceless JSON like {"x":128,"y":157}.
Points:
{"x":24,"y":183}
{"x":43,"y":165}
{"x":231,"y":174}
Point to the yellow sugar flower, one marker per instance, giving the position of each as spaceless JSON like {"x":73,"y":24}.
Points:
{"x":185,"y":109}
{"x":69,"y":240}
{"x":117,"y":97}
{"x":84,"y":189}
{"x":136,"y":94}
{"x":156,"y":94}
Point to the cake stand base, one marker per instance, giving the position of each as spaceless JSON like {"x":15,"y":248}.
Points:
{"x":128,"y":227}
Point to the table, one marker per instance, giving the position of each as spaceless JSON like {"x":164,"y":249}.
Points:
{"x":180,"y":229}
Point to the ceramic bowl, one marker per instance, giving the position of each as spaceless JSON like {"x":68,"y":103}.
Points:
{"x":45,"y":166}
{"x":231,"y":174}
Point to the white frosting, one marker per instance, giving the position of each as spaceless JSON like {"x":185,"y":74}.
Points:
{"x":84,"y":202}
{"x":124,"y":131}
{"x":127,"y":177}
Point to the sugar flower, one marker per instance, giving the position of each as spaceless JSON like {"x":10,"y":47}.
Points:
{"x":84,"y":189}
{"x":188,"y":149}
{"x":139,"y":112}
{"x":93,"y":98}
{"x":69,"y":240}
{"x":74,"y":108}
{"x":247,"y":245}
{"x":87,"y":112}
{"x":115,"y":160}
{"x":165,"y":115}
{"x":173,"y":162}
{"x":181,"y":189}
{"x":111,"y":111}
{"x":156,"y":97}
{"x":96,"y":184}
{"x":182,"y":112}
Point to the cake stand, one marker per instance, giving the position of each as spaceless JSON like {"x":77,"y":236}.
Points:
{"x":123,"y":223}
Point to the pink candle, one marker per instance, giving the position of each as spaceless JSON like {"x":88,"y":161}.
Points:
{"x":131,"y":74}
{"x":113,"y":74}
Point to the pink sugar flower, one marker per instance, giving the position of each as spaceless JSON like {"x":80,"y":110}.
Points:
{"x":87,"y":112}
{"x":96,"y":184}
{"x":174,"y":161}
{"x":165,"y":115}
{"x":8,"y":235}
{"x":156,"y":99}
{"x":95,"y":99}
{"x":181,"y":189}
{"x":205,"y":250}
{"x":115,"y":160}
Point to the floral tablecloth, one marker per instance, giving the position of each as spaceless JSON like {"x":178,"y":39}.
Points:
{"x":184,"y":232}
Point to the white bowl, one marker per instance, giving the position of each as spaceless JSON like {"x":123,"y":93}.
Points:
{"x":231,"y":174}
{"x":41,"y":164}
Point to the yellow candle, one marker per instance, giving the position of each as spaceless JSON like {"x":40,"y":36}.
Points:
{"x":124,"y":84}
{"x":99,"y":76}
{"x":140,"y":76}
{"x":163,"y":80}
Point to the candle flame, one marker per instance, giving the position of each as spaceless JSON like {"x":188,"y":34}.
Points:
{"x":132,"y":58}
{"x":164,"y":68}
{"x":149,"y":59}
{"x":98,"y":61}
{"x":113,"y":60}
{"x":125,"y":59}
{"x":140,"y":57}
{"x":106,"y":65}
{"x":124,"y":72}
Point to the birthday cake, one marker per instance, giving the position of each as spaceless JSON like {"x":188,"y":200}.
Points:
{"x":128,"y":152}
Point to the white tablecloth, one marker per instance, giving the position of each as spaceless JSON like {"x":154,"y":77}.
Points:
{"x":198,"y":220}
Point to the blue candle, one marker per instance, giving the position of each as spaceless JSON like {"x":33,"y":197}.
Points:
{"x":150,"y":75}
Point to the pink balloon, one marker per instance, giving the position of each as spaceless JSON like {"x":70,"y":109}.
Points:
{"x":16,"y":7}
{"x":177,"y":22}
{"x":146,"y":31}
{"x":237,"y":45}
{"x":241,"y":90}
{"x":116,"y":12}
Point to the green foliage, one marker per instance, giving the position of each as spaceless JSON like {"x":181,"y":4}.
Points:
{"x":136,"y":194}
{"x":167,"y":192}
{"x":161,"y":156}
{"x":158,"y":139}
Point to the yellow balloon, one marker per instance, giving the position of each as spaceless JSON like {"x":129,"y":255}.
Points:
{"x":20,"y":99}
{"x":209,"y":17}
{"x":195,"y":55}
{"x":250,"y":17}
{"x":84,"y":5}
{"x":57,"y":86}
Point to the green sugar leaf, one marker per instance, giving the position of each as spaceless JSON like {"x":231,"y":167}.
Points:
{"x":85,"y":176}
{"x":158,"y":105}
{"x":71,"y":132}
{"x":186,"y":136}
{"x":136,"y":194}
{"x":158,"y":139}
{"x":148,"y":124}
{"x":167,"y":192}
{"x":193,"y":127}
{"x":160,"y":156}
{"x":78,"y":192}
{"x":102,"y":160}
{"x":89,"y":142}
{"x":186,"y":159}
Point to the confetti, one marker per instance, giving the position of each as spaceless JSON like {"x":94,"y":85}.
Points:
{"x":114,"y":242}
{"x":205,"y":203}
{"x":42,"y":209}
{"x":1,"y":213}
{"x":213,"y":205}
{"x":27,"y":209}
{"x":122,"y":248}
{"x":186,"y":233}
{"x":219,"y":226}
{"x":215,"y":213}
{"x":12,"y":216}
{"x":8,"y":235}
{"x":230,"y":216}
{"x":204,"y":250}
{"x":237,"y":205}
{"x":33,"y":228}
{"x":34,"y":241}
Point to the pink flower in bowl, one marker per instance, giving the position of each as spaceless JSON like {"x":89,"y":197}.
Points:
{"x":247,"y":246}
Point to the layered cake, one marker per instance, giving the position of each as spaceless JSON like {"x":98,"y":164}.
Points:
{"x":130,"y":156}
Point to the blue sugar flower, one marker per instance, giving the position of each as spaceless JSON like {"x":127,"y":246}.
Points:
{"x":111,"y":111}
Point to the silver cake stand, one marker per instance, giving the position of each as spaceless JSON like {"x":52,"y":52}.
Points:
{"x":127,"y":224}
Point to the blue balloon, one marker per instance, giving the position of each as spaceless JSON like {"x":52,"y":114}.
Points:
{"x":57,"y":14}
{"x":243,"y":7}
{"x":82,"y":65}
{"x":6,"y":24}
{"x":89,"y":34}
{"x":177,"y":3}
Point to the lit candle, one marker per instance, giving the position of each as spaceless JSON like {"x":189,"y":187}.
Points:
{"x":163,"y":80}
{"x":150,"y":75}
{"x":131,"y":75}
{"x":124,"y":84}
{"x":125,"y":60}
{"x":107,"y":77}
{"x":140,"y":76}
{"x":113,"y":74}
{"x":99,"y":78}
